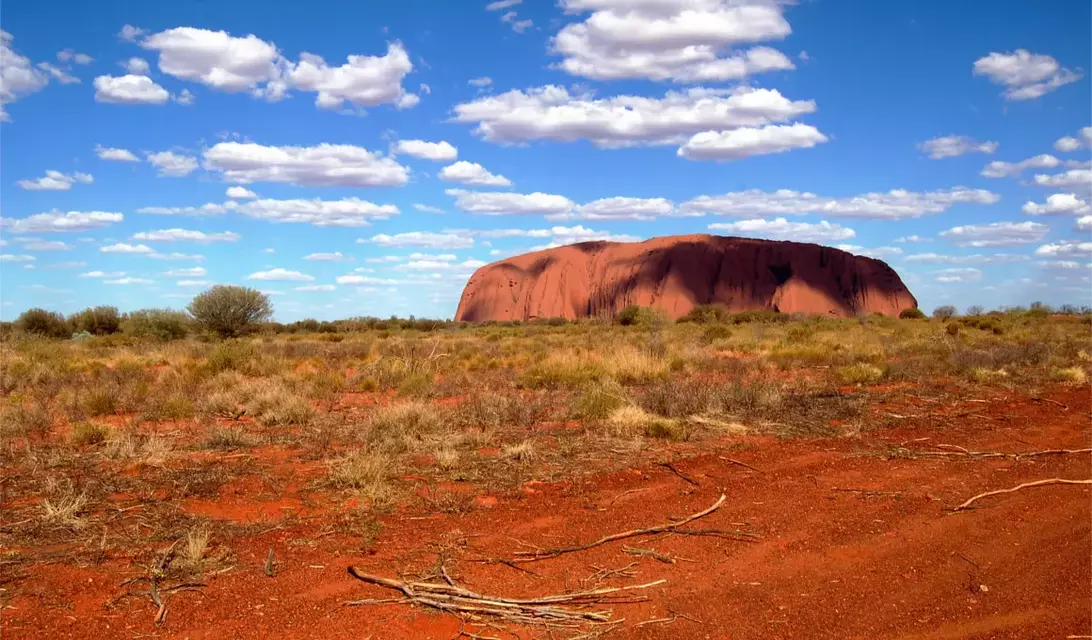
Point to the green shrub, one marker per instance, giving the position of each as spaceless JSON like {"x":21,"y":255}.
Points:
{"x":98,"y":321}
{"x":706,"y":314}
{"x":860,"y":373}
{"x":39,"y":322}
{"x":89,"y":433}
{"x":716,"y":332}
{"x":162,"y":324}
{"x":944,"y":312}
{"x":912,"y":314}
{"x":599,"y":400}
{"x":230,"y":311}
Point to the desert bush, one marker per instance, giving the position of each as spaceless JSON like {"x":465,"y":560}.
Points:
{"x":161,"y":324}
{"x":912,"y":314}
{"x":944,"y":312}
{"x":39,"y":322}
{"x":599,"y":400}
{"x":23,"y":420}
{"x":229,"y":438}
{"x":860,"y":373}
{"x":525,"y":451}
{"x":1069,"y":374}
{"x":398,"y":427}
{"x":98,"y":321}
{"x":230,"y":311}
{"x":415,"y":385}
{"x":366,"y":471}
{"x":83,"y":433}
{"x":705,"y":314}
{"x":102,"y":400}
{"x":975,"y":310}
{"x":716,"y":332}
{"x":232,"y":355}
{"x":636,"y":315}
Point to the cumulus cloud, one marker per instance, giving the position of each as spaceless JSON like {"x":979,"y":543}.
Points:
{"x":498,"y":5}
{"x":192,"y":272}
{"x":677,"y":40}
{"x":782,"y":229}
{"x":953,"y":146}
{"x":240,"y":193}
{"x":11,"y":257}
{"x":998,"y":169}
{"x":894,"y":205}
{"x":910,"y":238}
{"x":129,"y":33}
{"x":874,"y":252}
{"x":184,"y":97}
{"x":346,"y":212}
{"x":325,"y":165}
{"x":55,"y":181}
{"x":70,"y":55}
{"x":129,"y":89}
{"x":620,"y":208}
{"x":146,"y":251}
{"x":1025,"y":75}
{"x":424,"y":208}
{"x":136,"y":66}
{"x":58,"y":74}
{"x":172,"y":165}
{"x":18,"y":77}
{"x":102,"y":274}
{"x":36,"y":244}
{"x":750,"y":141}
{"x":57,"y":221}
{"x":481,"y":83}
{"x":364,"y":81}
{"x":210,"y":209}
{"x":996,"y":234}
{"x":1058,"y":204}
{"x":977,"y":258}
{"x":1084,"y":224}
{"x":116,"y":155}
{"x":215,"y":58}
{"x":129,"y":280}
{"x":1066,"y":249}
{"x":552,"y":113}
{"x":186,"y":235}
{"x":193,"y":283}
{"x":336,"y":256}
{"x":315,"y":287}
{"x":424,"y":239}
{"x":280,"y":275}
{"x":958,"y":274}
{"x":1072,"y":179}
{"x":472,"y":174}
{"x":505,"y":203}
{"x":439,"y":265}
{"x":440,"y":151}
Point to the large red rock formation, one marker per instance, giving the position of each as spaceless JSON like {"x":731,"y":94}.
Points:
{"x":676,"y":273}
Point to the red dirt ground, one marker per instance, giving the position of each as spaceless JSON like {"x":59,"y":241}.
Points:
{"x":854,"y":544}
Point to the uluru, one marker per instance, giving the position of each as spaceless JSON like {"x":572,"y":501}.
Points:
{"x":676,"y":273}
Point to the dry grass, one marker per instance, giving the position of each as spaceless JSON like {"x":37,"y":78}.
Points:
{"x":65,"y":510}
{"x":1069,"y":374}
{"x":197,"y":542}
{"x":526,"y":451}
{"x":368,"y":472}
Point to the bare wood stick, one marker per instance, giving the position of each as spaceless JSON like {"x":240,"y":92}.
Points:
{"x":742,"y":464}
{"x":673,"y":469}
{"x":649,"y":553}
{"x":657,"y":621}
{"x":960,"y":451}
{"x":269,"y":570}
{"x":531,"y":556}
{"x":1064,"y":407}
{"x":1037,"y":483}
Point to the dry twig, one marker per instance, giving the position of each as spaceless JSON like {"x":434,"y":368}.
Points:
{"x":673,"y":469}
{"x":1037,"y":483}
{"x":742,"y":464}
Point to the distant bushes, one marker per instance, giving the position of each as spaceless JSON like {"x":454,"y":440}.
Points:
{"x":161,"y":324}
{"x":944,"y":312}
{"x":912,"y":314}
{"x":230,"y":311}
{"x":39,"y":322}
{"x":98,"y":321}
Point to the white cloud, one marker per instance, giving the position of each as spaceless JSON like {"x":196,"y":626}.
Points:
{"x":58,"y":74}
{"x":440,"y":265}
{"x":315,"y":287}
{"x":552,"y":113}
{"x":953,"y":146}
{"x":1067,"y":144}
{"x":117,"y":155}
{"x":124,"y":281}
{"x":782,"y":229}
{"x":10,"y":257}
{"x":440,"y":151}
{"x":336,"y":256}
{"x":1063,"y":265}
{"x":407,"y":101}
{"x":193,"y":283}
{"x":519,"y":26}
{"x":1073,"y":178}
{"x":45,"y":245}
{"x":176,"y":256}
{"x":325,"y":165}
{"x":911,"y":238}
{"x":172,"y":165}
{"x":57,"y":221}
{"x":347,"y":212}
{"x":473,"y":174}
{"x":424,"y":208}
{"x":998,"y":169}
{"x":896,"y":204}
{"x":193,"y":272}
{"x":572,"y":235}
{"x":750,"y":141}
{"x":679,"y":40}
{"x":425,"y":239}
{"x":958,"y":274}
{"x":497,"y":5}
{"x":129,"y":33}
{"x":186,"y":235}
{"x":1059,"y":203}
{"x":355,"y":279}
{"x":978,"y":258}
{"x":1084,"y":223}
{"x":216,"y":59}
{"x":210,"y":209}
{"x":18,"y":77}
{"x":136,"y":66}
{"x":503,"y":203}
{"x":481,"y":82}
{"x":129,"y":89}
{"x":102,"y":274}
{"x":280,"y":275}
{"x":996,"y":234}
{"x":240,"y":193}
{"x":70,"y":55}
{"x":1025,"y":75}
{"x":121,"y":247}
{"x":184,"y":97}
{"x":1066,"y":249}
{"x":875,"y":252}
{"x":55,"y":181}
{"x":620,"y":208}
{"x":364,"y":81}
{"x":41,"y":288}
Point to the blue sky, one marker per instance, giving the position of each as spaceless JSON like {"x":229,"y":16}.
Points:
{"x":365,"y":158}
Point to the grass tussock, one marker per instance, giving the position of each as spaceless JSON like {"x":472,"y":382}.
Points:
{"x":368,"y":472}
{"x":1069,"y":374}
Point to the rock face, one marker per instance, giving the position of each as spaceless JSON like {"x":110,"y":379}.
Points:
{"x":675,"y":273}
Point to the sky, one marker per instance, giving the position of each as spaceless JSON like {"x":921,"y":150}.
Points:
{"x":365,"y":158}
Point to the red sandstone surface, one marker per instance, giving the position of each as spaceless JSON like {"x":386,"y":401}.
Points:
{"x":675,"y":273}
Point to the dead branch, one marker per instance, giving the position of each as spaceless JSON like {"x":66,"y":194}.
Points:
{"x":742,"y":464}
{"x":673,"y":469}
{"x":269,"y":564}
{"x":1037,"y":483}
{"x":649,"y":553}
{"x":961,"y":452}
{"x":541,"y":610}
{"x":657,"y":621}
{"x":542,"y":554}
{"x":1064,"y":407}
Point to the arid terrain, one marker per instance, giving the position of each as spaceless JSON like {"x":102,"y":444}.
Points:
{"x":223,"y":489}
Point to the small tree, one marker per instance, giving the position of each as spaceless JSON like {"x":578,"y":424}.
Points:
{"x":975,"y":310}
{"x":944,"y":312}
{"x":164,"y":324}
{"x":99,"y":321}
{"x":40,"y":322}
{"x":230,"y":311}
{"x":912,"y":313}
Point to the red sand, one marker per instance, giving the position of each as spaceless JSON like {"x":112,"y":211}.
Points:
{"x":678,"y":272}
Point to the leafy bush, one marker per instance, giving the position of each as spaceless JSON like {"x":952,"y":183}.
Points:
{"x":860,"y":373}
{"x":89,"y":433}
{"x":599,"y":400}
{"x":163,"y":324}
{"x":98,"y":321}
{"x":633,"y":315}
{"x":230,"y":311}
{"x":40,"y":322}
{"x":912,"y":314}
{"x":705,"y":314}
{"x":944,"y":312}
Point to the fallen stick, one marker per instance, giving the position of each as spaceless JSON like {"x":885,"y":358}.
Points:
{"x":542,"y":554}
{"x":742,"y":464}
{"x":1064,"y":407}
{"x":673,"y":469}
{"x":1037,"y":483}
{"x":960,"y":451}
{"x":649,"y":553}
